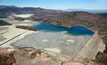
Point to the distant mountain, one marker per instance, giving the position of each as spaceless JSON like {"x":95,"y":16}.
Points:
{"x":12,"y":10}
{"x":2,"y":6}
{"x":86,"y":10}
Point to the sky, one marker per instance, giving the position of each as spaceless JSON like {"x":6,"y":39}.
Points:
{"x":58,"y":4}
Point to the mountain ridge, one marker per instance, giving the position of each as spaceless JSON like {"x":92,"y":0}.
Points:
{"x":12,"y":10}
{"x":87,"y":10}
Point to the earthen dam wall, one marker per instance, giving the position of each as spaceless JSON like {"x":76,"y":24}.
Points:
{"x":92,"y":47}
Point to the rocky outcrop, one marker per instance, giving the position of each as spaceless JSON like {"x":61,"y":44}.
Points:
{"x":6,"y":57}
{"x":33,"y":56}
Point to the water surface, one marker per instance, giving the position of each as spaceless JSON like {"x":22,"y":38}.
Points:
{"x":77,"y":30}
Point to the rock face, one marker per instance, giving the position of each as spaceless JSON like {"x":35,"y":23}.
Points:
{"x":93,"y":46}
{"x":31,"y":56}
{"x":6,"y":57}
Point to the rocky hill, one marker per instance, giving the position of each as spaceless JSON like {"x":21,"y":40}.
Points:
{"x":96,"y":22}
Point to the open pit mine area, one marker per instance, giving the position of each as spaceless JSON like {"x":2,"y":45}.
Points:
{"x":21,"y":46}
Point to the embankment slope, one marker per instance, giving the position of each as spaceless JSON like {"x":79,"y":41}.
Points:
{"x":92,"y":47}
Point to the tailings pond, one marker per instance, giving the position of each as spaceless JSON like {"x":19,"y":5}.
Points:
{"x":56,"y":39}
